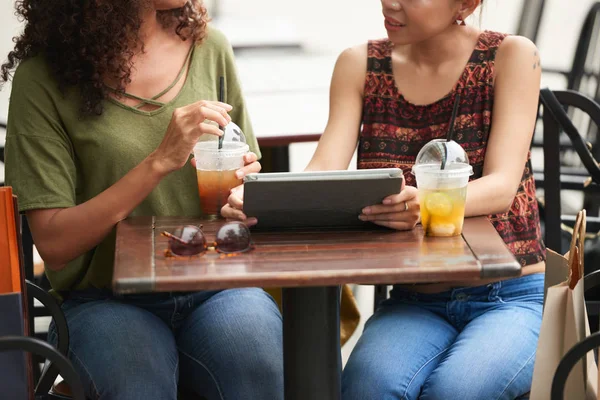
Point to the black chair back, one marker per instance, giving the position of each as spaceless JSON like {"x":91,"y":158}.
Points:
{"x":556,"y":120}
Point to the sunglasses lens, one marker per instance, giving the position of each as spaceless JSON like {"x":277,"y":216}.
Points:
{"x":192,"y":241}
{"x":233,"y":237}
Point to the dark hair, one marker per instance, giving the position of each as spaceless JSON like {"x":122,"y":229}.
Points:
{"x":86,"y":43}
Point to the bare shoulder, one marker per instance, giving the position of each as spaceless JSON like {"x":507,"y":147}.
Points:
{"x":518,"y":52}
{"x":351,"y":65}
{"x":355,"y":55}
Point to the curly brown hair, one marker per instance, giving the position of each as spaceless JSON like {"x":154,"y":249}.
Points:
{"x":86,"y":43}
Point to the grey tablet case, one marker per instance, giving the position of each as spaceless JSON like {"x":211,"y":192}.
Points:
{"x":329,"y":199}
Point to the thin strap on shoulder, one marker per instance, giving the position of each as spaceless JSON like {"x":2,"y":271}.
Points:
{"x":490,"y":40}
{"x":379,"y":56}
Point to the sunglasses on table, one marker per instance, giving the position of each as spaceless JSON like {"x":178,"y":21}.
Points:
{"x":231,"y":238}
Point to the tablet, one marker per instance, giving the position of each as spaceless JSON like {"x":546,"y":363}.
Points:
{"x":327,"y":199}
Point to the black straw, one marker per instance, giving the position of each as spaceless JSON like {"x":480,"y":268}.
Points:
{"x":450,"y":134}
{"x":222,"y":100}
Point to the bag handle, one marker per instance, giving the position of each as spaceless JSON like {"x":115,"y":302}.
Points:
{"x":576,"y":250}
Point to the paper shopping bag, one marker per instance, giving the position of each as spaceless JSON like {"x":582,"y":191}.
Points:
{"x":565,"y":323}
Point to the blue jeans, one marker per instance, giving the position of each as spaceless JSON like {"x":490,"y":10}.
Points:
{"x":475,"y":343}
{"x":221,"y":345}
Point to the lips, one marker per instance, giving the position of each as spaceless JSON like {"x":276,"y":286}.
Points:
{"x":393,"y":22}
{"x":391,"y":25}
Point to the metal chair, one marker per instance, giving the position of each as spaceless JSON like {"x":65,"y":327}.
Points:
{"x":43,"y":349}
{"x":556,"y":120}
{"x":54,"y":360}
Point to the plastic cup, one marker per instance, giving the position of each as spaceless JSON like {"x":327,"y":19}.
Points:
{"x":215,"y":169}
{"x":442,"y":195}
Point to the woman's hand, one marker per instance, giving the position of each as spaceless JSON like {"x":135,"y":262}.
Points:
{"x":400,"y":211}
{"x":187,"y":125}
{"x":251,"y":165}
{"x":235,"y":203}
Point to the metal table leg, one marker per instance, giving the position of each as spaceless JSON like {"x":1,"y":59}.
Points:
{"x":311,"y":343}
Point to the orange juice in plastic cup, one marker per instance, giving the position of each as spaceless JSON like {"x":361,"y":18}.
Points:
{"x":442,"y":191}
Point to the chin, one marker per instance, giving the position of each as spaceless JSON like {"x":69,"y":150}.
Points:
{"x":399,"y":39}
{"x":406,"y":38}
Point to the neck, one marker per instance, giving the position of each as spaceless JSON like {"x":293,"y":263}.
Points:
{"x":439,"y":49}
{"x":151,"y":27}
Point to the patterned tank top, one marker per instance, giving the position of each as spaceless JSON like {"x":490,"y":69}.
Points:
{"x":394,"y":130}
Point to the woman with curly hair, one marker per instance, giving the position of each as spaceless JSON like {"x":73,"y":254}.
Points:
{"x":108,"y":100}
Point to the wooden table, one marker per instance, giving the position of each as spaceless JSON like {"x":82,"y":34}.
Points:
{"x":310,"y":266}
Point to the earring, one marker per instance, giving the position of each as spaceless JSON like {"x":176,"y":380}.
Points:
{"x":460,"y":21}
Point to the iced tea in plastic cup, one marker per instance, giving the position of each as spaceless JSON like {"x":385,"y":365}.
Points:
{"x":442,"y":192}
{"x":215,"y":169}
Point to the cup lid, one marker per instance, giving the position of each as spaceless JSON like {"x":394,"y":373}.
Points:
{"x":233,"y":140}
{"x":438,"y":152}
{"x":454,"y":170}
{"x":233,"y":133}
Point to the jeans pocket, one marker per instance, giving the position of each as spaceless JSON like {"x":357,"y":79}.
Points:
{"x":530,"y":298}
{"x":527,"y":289}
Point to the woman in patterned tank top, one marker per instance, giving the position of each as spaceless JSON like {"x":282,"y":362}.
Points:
{"x":466,"y":340}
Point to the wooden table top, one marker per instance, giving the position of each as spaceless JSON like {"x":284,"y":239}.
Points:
{"x":308,"y":258}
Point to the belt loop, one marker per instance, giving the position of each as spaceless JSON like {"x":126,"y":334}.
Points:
{"x":494,"y":289}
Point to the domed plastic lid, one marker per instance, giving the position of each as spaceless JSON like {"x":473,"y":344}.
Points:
{"x":233,"y":133}
{"x":233,"y":139}
{"x":448,"y":154}
{"x":234,"y":142}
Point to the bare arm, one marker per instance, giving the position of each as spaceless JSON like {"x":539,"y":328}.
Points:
{"x":516,"y":95}
{"x":62,"y":235}
{"x":338,"y":142}
{"x":337,"y":145}
{"x":339,"y":139}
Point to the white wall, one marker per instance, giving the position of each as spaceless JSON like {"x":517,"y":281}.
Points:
{"x":332,"y":25}
{"x":335,"y":24}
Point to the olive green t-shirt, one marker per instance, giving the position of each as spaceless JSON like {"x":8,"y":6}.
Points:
{"x":55,"y":158}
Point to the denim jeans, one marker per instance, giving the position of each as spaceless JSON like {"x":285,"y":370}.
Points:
{"x":475,"y":343}
{"x":221,"y":345}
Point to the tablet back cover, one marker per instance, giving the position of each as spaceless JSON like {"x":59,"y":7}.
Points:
{"x":315,"y":204}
